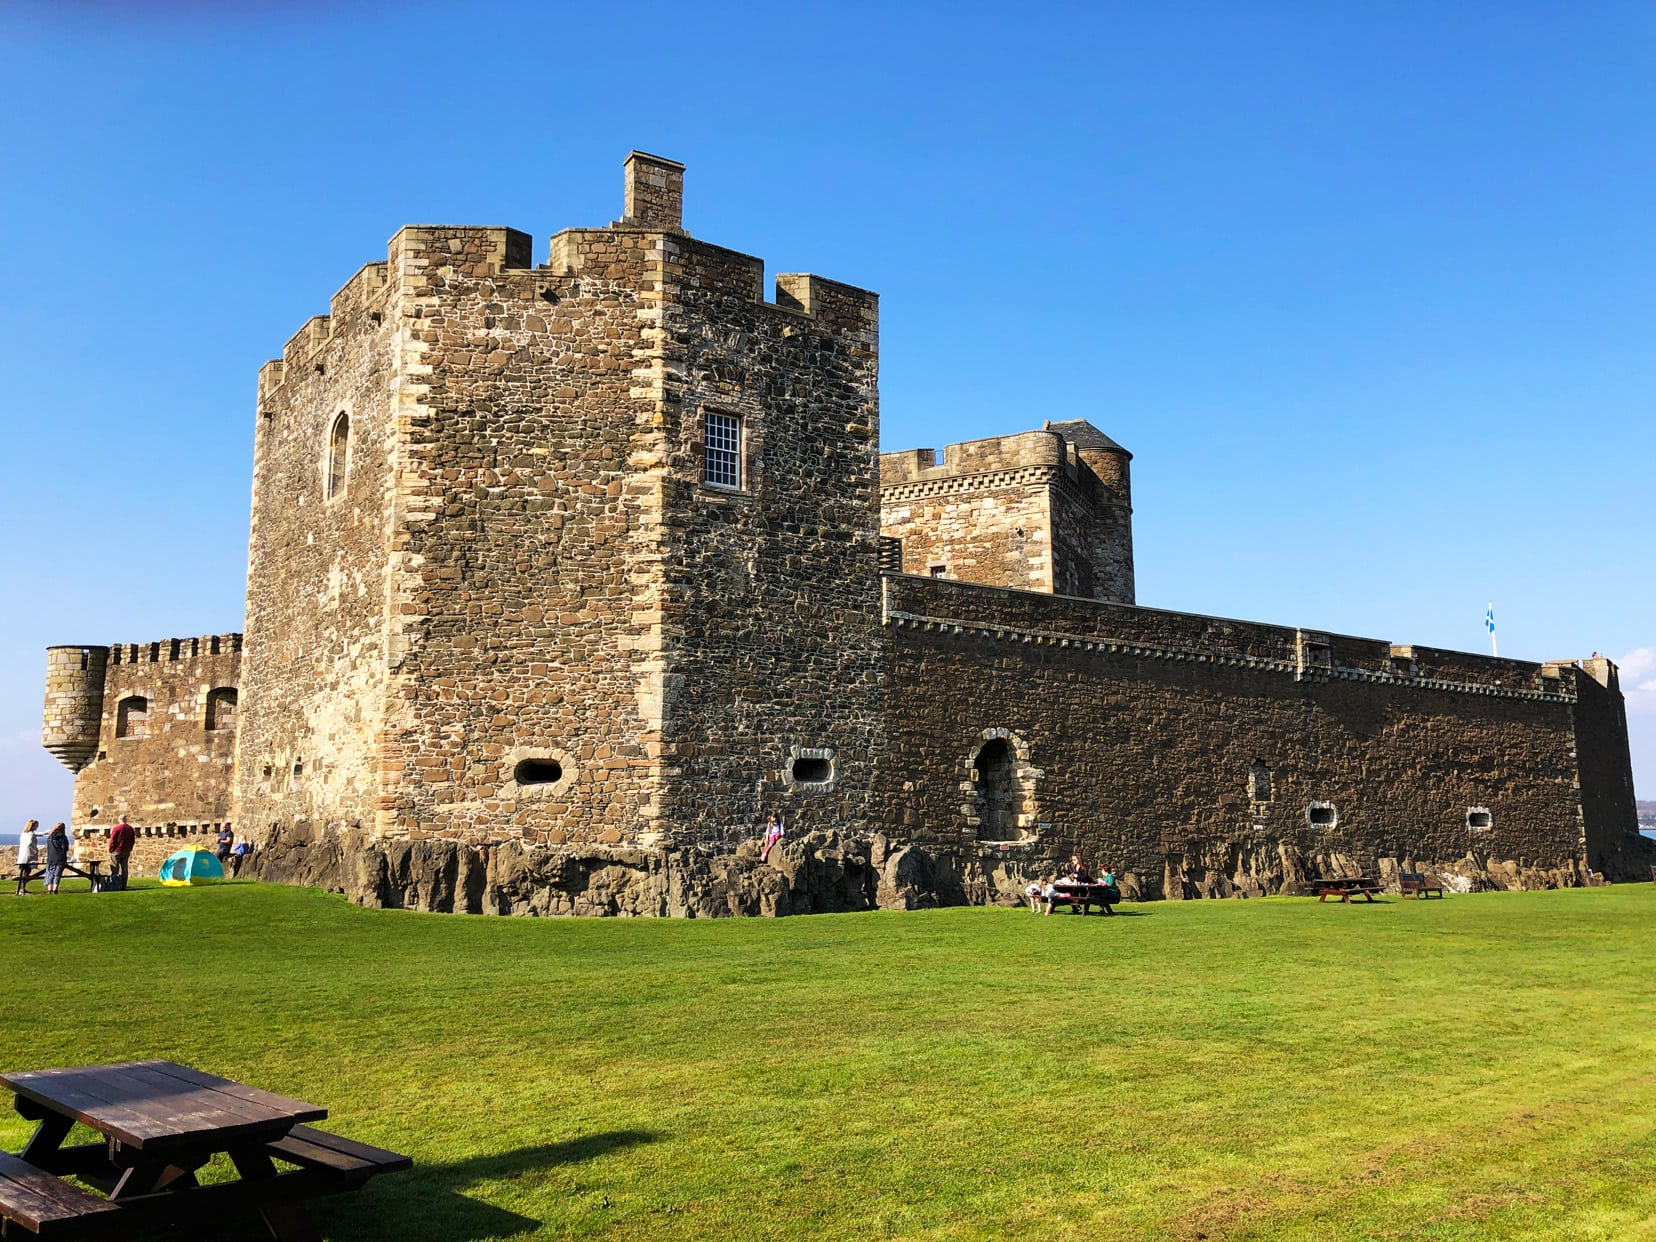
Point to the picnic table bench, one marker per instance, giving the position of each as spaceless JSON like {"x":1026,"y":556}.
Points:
{"x":161,"y":1123}
{"x":1418,"y":884}
{"x":1346,"y":889}
{"x":1080,"y":896}
{"x":28,"y":873}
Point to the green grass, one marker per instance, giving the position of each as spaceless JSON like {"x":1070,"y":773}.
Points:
{"x":1479,"y":1067}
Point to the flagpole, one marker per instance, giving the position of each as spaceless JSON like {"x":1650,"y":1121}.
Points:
{"x":1489,"y":620}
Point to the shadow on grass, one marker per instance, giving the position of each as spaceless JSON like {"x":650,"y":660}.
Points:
{"x":431,"y":1200}
{"x":1119,"y":914}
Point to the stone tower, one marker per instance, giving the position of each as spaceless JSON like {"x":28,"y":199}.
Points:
{"x":582,"y":552}
{"x":1047,"y":510}
{"x":74,"y":703}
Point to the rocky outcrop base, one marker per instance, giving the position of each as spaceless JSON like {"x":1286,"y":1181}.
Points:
{"x":1257,"y":868}
{"x":819,"y":873}
{"x":816,"y":874}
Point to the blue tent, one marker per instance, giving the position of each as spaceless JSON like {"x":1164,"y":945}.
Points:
{"x":189,"y":865}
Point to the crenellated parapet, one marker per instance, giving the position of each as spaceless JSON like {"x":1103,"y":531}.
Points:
{"x":172,"y":650}
{"x":149,"y":729}
{"x":1046,"y":510}
{"x":363,"y":297}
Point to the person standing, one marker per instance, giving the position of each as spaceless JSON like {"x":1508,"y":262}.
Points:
{"x":28,"y":848}
{"x":57,"y":856}
{"x":121,"y":838}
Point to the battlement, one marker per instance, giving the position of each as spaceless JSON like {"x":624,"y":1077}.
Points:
{"x":648,"y":243}
{"x":415,"y":252}
{"x":993,"y":454}
{"x":172,"y":650}
{"x":1105,"y":630}
{"x":420,"y":251}
{"x":365,"y":291}
{"x":1062,"y":445}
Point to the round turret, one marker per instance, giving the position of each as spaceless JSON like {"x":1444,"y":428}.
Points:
{"x":74,"y":703}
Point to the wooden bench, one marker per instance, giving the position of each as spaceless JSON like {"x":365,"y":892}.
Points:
{"x":35,"y":1201}
{"x":1416,"y":884}
{"x":344,"y":1160}
{"x":1345,"y":890}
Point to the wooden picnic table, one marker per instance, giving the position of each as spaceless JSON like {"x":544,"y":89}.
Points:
{"x":91,"y":869}
{"x":1345,"y":889}
{"x":162,"y":1122}
{"x":1080,"y":896}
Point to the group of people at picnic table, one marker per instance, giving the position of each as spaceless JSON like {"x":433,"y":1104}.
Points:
{"x":59,"y":851}
{"x":1043,"y":893}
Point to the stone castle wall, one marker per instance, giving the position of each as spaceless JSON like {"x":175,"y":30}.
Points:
{"x":771,"y":594}
{"x":523,"y":601}
{"x":318,"y":573}
{"x":166,"y":734}
{"x":1137,"y":735}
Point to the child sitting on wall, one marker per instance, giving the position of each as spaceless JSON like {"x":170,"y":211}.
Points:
{"x":773,"y":834}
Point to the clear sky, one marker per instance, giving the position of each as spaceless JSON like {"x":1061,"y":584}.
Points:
{"x":1367,"y":288}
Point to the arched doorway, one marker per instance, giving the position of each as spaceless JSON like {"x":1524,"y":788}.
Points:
{"x":997,"y":792}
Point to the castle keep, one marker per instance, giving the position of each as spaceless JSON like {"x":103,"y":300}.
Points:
{"x":562,"y":574}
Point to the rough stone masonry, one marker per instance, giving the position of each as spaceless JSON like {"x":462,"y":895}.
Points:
{"x":562,"y":575}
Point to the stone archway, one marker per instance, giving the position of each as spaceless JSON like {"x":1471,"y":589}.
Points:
{"x":997,"y":793}
{"x":1001,"y":787}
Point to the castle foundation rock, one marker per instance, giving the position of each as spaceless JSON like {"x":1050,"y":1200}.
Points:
{"x":821,"y":873}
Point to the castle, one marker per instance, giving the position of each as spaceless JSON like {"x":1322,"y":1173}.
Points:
{"x":562,"y":575}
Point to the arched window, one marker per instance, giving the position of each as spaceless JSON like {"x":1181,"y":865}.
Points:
{"x":221,"y":708}
{"x":132,"y":717}
{"x":339,"y":455}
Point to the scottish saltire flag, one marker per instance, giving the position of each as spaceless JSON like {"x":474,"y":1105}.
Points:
{"x":1489,"y":619}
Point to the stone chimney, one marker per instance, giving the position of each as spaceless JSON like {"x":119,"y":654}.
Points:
{"x":655,"y":193}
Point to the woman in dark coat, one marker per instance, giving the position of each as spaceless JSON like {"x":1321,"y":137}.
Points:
{"x":57,"y":856}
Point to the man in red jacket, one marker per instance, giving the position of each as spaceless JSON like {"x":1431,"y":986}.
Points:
{"x":121,"y":838}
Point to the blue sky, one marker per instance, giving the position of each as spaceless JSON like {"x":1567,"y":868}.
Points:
{"x":1366,"y":288}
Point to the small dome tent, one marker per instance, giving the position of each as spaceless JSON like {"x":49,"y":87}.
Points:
{"x":190,"y":865}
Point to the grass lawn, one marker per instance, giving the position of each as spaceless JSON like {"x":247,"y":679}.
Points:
{"x":1479,"y":1067}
